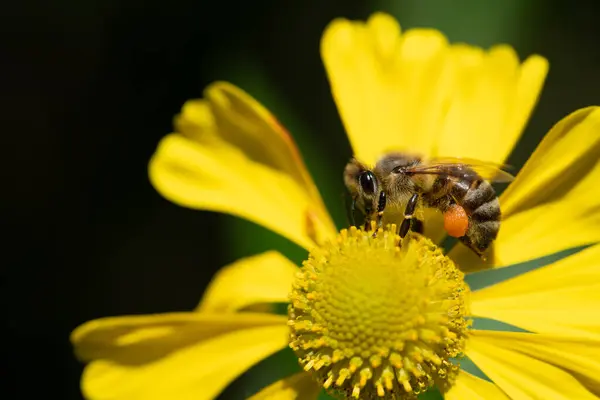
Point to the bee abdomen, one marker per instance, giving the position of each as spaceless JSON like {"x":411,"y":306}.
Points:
{"x":478,"y":196}
{"x":481,"y":235}
{"x":489,"y":211}
{"x":483,"y":206}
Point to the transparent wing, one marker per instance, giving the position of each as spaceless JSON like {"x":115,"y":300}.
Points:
{"x":463,"y":167}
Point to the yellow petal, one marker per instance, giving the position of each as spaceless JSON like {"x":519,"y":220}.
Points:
{"x":265,"y":278}
{"x":219,"y":177}
{"x":578,"y":355}
{"x":199,"y":371}
{"x":196,"y":121}
{"x":532,"y":366}
{"x":470,"y":387}
{"x":416,"y":92}
{"x":554,"y":203}
{"x":379,"y":78}
{"x":558,"y":190}
{"x":230,"y":121}
{"x":299,"y":386}
{"x":561,"y":298}
{"x":245,"y":123}
{"x":142,"y":339}
{"x":492,"y":99}
{"x":566,"y":155}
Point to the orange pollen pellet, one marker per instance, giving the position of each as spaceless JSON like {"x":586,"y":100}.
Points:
{"x":456,"y":221}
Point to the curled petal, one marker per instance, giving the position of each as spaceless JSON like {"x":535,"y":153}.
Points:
{"x":220,"y":177}
{"x":244,"y":123}
{"x":231,"y":155}
{"x":196,"y":121}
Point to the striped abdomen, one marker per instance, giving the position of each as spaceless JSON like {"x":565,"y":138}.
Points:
{"x":466,"y":188}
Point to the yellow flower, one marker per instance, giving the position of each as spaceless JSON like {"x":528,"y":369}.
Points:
{"x":410,"y":91}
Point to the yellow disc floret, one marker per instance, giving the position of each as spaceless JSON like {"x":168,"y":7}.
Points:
{"x":376,"y":317}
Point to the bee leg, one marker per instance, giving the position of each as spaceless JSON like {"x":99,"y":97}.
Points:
{"x":380,"y":207}
{"x":408,"y":215}
{"x":368,"y":217}
{"x":417,"y":226}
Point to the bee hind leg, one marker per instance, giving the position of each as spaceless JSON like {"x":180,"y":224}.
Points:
{"x":417,"y":226}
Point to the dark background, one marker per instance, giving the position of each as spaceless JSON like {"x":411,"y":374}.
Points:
{"x":89,"y":88}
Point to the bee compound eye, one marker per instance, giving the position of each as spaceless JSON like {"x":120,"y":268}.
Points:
{"x":367,"y":182}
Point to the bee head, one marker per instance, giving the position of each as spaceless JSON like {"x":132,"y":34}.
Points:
{"x":364,"y":186}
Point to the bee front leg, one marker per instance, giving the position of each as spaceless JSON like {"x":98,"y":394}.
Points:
{"x":379,"y":216}
{"x":408,"y":214}
{"x":368,"y":218}
{"x":380,"y":207}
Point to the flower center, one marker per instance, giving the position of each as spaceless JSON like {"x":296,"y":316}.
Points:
{"x":379,"y":317}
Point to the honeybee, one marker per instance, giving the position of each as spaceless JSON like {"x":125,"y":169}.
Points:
{"x":460,"y":188}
